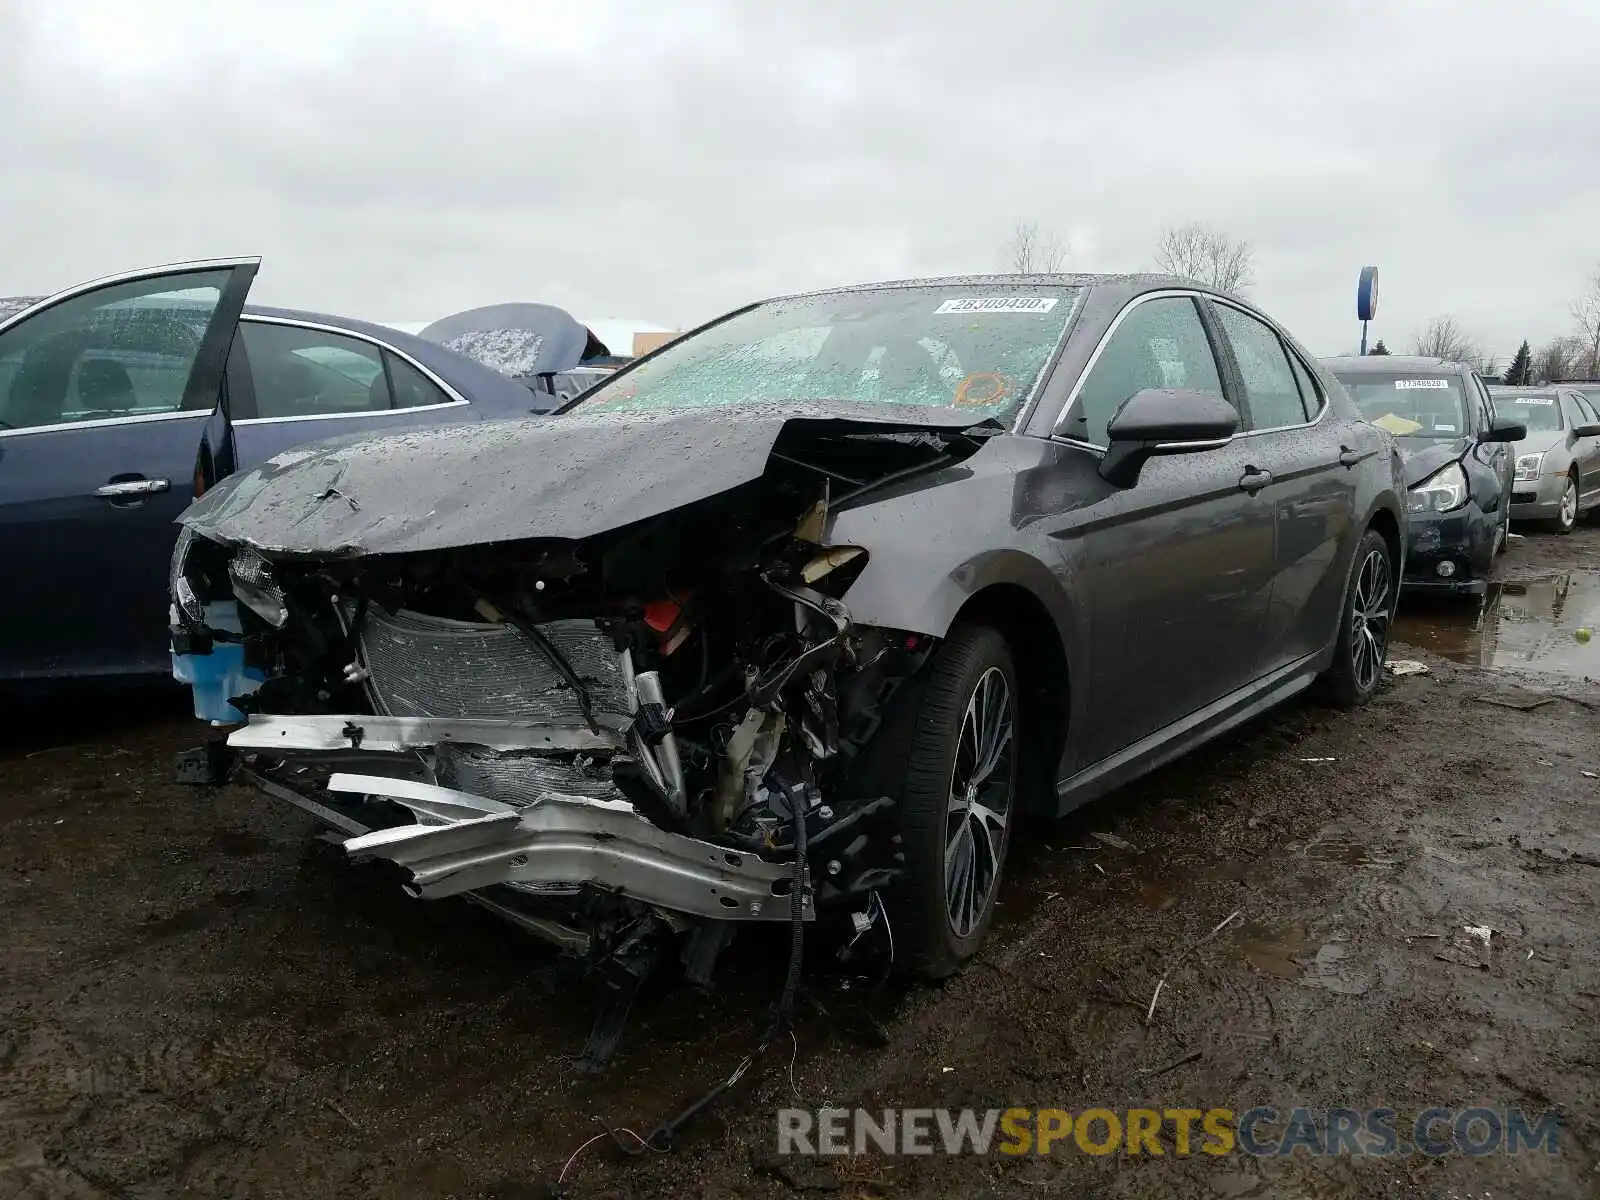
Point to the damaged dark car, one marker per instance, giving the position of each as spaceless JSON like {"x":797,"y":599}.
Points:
{"x":1457,"y":466}
{"x":792,"y":620}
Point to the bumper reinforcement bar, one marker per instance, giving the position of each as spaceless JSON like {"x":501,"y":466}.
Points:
{"x":399,"y":734}
{"x":565,"y":841}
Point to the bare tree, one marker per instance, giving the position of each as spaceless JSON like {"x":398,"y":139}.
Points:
{"x":1032,"y":252}
{"x":1558,"y":360}
{"x":1444,"y":338}
{"x":1586,"y":312}
{"x":1199,"y":251}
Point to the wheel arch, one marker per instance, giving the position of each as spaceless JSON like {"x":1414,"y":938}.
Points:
{"x":1387,"y":524}
{"x":1044,"y":677}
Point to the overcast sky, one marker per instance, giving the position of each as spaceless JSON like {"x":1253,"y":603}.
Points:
{"x":666,"y":161}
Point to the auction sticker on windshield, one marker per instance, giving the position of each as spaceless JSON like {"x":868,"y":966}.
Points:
{"x":1421,"y":383}
{"x":999,"y":304}
{"x":1540,"y":401}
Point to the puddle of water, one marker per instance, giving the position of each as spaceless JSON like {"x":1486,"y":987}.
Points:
{"x":1528,"y":625}
{"x":1338,"y":850}
{"x":1275,"y":950}
{"x":1153,"y":895}
{"x":1284,"y":952}
{"x":1331,"y":969}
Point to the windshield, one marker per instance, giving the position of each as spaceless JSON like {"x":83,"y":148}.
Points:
{"x":980,"y":348}
{"x":1408,"y":405}
{"x":1540,"y":413}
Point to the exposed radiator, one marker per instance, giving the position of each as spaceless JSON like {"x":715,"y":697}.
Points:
{"x":424,"y":666}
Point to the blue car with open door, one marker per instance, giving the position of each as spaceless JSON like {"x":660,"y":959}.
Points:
{"x":123,"y":397}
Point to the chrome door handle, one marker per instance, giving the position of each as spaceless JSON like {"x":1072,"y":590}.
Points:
{"x":1253,"y":480}
{"x":133,"y":487}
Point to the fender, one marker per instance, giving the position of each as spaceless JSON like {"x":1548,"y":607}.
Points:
{"x":932,"y":546}
{"x":922,"y":594}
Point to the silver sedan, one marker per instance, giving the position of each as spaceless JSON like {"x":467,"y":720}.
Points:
{"x":1558,"y":463}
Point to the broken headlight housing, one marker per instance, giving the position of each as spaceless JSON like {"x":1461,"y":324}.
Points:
{"x":178,"y":585}
{"x":256,"y":589}
{"x":1440,"y":492}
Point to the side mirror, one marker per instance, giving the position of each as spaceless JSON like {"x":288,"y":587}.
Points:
{"x":1504,"y":431}
{"x":1164,"y":421}
{"x":1590,"y":430}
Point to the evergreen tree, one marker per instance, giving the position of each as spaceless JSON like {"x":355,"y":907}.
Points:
{"x":1379,"y":348}
{"x":1520,"y":372}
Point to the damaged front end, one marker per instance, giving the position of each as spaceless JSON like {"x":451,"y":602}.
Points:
{"x":630,"y":743}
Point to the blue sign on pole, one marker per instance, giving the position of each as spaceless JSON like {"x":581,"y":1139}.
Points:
{"x":1367,"y":295}
{"x":1366,"y":301}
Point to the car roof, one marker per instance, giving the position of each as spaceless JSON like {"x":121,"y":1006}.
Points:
{"x":1394,"y":364}
{"x":1132,"y":282}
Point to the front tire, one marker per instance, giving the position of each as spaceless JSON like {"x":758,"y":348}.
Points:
{"x":1363,"y":641}
{"x":1567,"y":509}
{"x":957,"y":802}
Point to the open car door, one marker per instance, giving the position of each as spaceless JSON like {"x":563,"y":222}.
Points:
{"x":104,"y":391}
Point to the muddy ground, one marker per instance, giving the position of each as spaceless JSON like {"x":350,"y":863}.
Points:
{"x":196,"y":999}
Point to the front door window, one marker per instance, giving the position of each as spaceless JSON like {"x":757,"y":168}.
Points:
{"x":126,"y":350}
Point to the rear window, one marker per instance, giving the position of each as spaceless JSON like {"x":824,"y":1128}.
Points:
{"x":1429,"y":406}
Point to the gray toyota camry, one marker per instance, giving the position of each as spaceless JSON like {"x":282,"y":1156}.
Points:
{"x":791,"y":620}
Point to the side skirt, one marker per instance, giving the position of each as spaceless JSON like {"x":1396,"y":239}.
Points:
{"x":1181,"y":736}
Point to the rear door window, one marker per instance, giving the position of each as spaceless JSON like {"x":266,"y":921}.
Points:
{"x":1310,"y":390}
{"x":413,"y":389}
{"x":303,"y":372}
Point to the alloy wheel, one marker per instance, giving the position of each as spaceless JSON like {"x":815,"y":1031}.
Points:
{"x":1569,"y":503}
{"x":1370,"y":610}
{"x":981,"y":786}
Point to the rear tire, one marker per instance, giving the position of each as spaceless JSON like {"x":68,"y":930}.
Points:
{"x":958,"y":804}
{"x":1368,"y":614}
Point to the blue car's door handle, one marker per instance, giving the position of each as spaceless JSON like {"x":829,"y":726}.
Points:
{"x":127,"y":489}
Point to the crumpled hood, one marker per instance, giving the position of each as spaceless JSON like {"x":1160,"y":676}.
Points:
{"x":568,"y":476}
{"x":1424,"y":456}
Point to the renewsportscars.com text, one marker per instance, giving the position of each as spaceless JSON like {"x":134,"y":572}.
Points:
{"x":1261,"y":1132}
